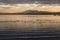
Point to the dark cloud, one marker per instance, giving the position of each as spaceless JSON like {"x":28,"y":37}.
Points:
{"x":30,"y":1}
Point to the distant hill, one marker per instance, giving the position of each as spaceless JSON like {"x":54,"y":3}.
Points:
{"x":35,"y":12}
{"x":32,"y":12}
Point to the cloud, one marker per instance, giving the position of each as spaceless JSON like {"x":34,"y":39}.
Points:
{"x":29,"y":6}
{"x":23,"y":7}
{"x":30,"y":1}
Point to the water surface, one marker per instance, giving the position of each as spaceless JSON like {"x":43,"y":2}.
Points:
{"x":29,"y":26}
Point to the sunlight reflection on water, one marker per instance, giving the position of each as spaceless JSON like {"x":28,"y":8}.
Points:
{"x":29,"y":22}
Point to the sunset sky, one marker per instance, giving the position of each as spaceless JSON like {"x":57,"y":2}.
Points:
{"x":12,"y":6}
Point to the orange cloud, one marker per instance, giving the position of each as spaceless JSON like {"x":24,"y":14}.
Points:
{"x":23,"y":7}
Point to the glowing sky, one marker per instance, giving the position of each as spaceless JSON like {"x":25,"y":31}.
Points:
{"x":11,"y":6}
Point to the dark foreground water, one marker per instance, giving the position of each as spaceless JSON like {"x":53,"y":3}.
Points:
{"x":29,"y":27}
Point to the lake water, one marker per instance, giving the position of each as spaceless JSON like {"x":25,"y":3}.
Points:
{"x":29,"y":26}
